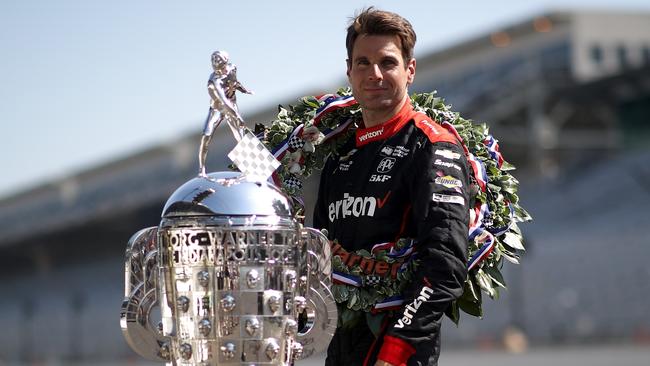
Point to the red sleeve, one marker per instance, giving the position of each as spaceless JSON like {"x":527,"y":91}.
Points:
{"x":395,"y":351}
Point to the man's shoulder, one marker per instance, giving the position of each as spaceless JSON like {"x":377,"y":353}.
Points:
{"x":434,"y":131}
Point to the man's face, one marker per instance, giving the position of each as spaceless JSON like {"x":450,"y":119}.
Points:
{"x":377,"y":73}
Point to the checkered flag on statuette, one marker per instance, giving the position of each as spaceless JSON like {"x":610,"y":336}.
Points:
{"x":293,"y":182}
{"x":252,"y":158}
{"x":296,"y":143}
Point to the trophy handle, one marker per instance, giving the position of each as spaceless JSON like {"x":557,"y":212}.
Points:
{"x":141,"y":297}
{"x":321,"y":308}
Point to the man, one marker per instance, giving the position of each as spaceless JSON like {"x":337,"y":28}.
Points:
{"x":410,"y":178}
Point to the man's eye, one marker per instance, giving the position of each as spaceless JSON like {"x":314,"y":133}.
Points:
{"x":362,"y":62}
{"x":389,"y":63}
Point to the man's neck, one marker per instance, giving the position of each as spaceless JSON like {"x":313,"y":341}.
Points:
{"x":373,"y":118}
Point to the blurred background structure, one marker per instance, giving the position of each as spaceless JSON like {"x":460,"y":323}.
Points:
{"x":566,"y":93}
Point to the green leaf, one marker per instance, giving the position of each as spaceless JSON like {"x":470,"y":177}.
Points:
{"x":471,"y":308}
{"x":507,"y":166}
{"x":485,"y":282}
{"x":510,"y":257}
{"x":454,"y":312}
{"x":513,"y":240}
{"x":494,"y":187}
{"x":495,"y":275}
{"x":470,"y":290}
{"x":521,"y":214}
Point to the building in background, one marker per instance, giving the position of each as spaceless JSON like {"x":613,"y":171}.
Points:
{"x":567,"y":94}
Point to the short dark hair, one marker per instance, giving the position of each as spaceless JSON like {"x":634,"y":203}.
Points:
{"x":378,"y":22}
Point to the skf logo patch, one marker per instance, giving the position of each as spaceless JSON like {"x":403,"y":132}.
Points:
{"x":379,"y":178}
{"x":447,"y":154}
{"x":385,"y":165}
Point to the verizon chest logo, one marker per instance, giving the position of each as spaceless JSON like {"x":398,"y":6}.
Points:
{"x":413,"y":307}
{"x":370,"y":135}
{"x":351,"y":206}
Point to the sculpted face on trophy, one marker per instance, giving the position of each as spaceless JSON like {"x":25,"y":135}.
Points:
{"x":232,"y":275}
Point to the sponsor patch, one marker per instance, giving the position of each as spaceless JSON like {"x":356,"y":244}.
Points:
{"x":385,"y":165}
{"x":351,"y":206}
{"x":445,"y":198}
{"x":345,"y":162}
{"x":387,"y":150}
{"x":347,"y":156}
{"x":400,"y":152}
{"x":345,"y":166}
{"x":379,"y":177}
{"x":413,"y":307}
{"x":447,"y":164}
{"x":448,"y":181}
{"x":371,"y":135}
{"x":448,"y":154}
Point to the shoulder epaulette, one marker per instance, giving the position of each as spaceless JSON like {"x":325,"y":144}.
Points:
{"x":433,"y":130}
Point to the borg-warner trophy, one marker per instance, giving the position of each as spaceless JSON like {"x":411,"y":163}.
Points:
{"x":229,"y":277}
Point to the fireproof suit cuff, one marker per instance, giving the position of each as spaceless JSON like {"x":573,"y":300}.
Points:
{"x":395,"y":351}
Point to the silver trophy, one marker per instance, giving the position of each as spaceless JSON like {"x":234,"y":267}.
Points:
{"x":229,"y":277}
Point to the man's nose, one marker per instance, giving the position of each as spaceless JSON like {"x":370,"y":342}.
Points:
{"x":375,"y":73}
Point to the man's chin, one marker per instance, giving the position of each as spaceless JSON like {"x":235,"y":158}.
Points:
{"x":378,"y":104}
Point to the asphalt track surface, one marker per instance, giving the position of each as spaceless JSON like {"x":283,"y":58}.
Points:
{"x":596,"y":355}
{"x":592,"y":355}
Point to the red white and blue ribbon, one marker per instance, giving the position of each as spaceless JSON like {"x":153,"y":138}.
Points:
{"x":406,"y":251}
{"x":484,"y":251}
{"x":332,"y":103}
{"x":279,"y":151}
{"x":480,"y":174}
{"x":382,"y":246}
{"x":389,"y":303}
{"x":493,"y":148}
{"x":476,"y":216}
{"x":346,"y":279}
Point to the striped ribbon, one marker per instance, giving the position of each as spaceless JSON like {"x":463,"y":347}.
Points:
{"x":332,"y":102}
{"x":487,"y":245}
{"x":476,"y":216}
{"x":493,"y":148}
{"x":346,"y":279}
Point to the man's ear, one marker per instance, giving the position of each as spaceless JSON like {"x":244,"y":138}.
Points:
{"x":348,"y":65}
{"x":410,"y":69}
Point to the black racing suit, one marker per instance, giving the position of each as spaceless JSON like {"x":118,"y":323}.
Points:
{"x":406,"y":178}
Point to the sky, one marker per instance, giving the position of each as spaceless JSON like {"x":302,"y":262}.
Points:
{"x":85,"y":82}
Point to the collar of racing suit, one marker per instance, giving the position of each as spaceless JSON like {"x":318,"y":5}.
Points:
{"x":388,"y":128}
